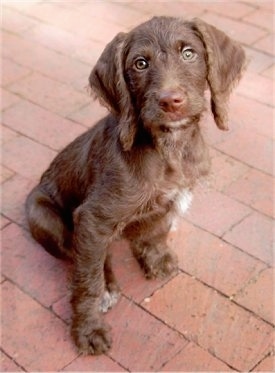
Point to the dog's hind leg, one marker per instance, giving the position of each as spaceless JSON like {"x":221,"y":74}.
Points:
{"x":46,"y":224}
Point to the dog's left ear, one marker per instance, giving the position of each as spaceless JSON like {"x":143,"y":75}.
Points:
{"x":225,"y":62}
{"x":109,"y":86}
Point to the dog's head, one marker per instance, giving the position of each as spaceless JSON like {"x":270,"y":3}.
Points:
{"x":158,"y":72}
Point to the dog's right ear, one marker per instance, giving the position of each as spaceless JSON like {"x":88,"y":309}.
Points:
{"x":226,"y":62}
{"x":108,"y":84}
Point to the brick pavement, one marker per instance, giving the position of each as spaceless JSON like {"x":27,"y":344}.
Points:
{"x":217,"y":313}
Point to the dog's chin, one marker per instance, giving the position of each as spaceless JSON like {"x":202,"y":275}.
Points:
{"x":169,"y":124}
{"x":175,"y":125}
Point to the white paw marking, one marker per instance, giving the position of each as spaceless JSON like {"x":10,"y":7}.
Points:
{"x":108,"y":300}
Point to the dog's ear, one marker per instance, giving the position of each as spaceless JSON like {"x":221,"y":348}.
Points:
{"x":108,"y":84}
{"x":225,"y":63}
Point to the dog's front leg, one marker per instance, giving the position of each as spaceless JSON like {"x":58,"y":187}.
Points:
{"x":148,"y":240}
{"x":91,"y":238}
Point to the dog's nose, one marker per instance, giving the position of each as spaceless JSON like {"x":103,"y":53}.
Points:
{"x":171,"y":101}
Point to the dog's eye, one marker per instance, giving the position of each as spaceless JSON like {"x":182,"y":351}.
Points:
{"x":188,"y":54}
{"x":141,"y":64}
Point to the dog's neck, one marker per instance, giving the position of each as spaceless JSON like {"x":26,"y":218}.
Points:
{"x":176,"y":142}
{"x":181,"y":150}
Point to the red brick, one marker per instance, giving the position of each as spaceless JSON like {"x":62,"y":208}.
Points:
{"x":267,"y":5}
{"x":13,"y":44}
{"x":185,"y":10}
{"x":215,"y":212}
{"x":16,"y":22}
{"x":14,"y":193}
{"x":258,"y":61}
{"x":194,"y":359}
{"x":257,"y":296}
{"x":211,"y":260}
{"x":254,"y":236}
{"x":8,"y":99}
{"x":20,"y":6}
{"x":90,"y":114}
{"x":8,"y":365}
{"x":255,"y":189}
{"x":93,"y":364}
{"x":255,"y":150}
{"x":231,"y":334}
{"x":237,"y":30}
{"x":256,"y":87}
{"x":50,"y":94}
{"x":12,"y":72}
{"x":148,"y":342}
{"x":120,"y":14}
{"x":48,"y":62}
{"x":51,"y":13}
{"x":97,"y":29}
{"x":63,"y":309}
{"x":70,"y":5}
{"x":210,"y":131}
{"x":267,"y":365}
{"x":129,"y":275}
{"x":270,"y":72}
{"x":251,"y":115}
{"x":261,"y":18}
{"x":5,"y":174}
{"x":225,"y":170}
{"x":41,"y":125}
{"x":245,"y":115}
{"x":48,"y":345}
{"x":19,"y":157}
{"x":65,"y":42}
{"x":233,"y":9}
{"x":266,"y":44}
{"x":33,"y":269}
{"x":3,"y":221}
{"x":82,"y":85}
{"x":7,"y":134}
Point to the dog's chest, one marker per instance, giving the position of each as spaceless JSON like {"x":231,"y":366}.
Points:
{"x":175,"y":196}
{"x":169,"y":185}
{"x":181,"y":199}
{"x":176,"y":187}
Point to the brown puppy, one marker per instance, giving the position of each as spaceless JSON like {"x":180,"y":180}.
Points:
{"x":134,"y":171}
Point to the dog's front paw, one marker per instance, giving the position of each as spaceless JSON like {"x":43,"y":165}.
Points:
{"x":94,"y":340}
{"x":161,"y":265}
{"x":108,"y":300}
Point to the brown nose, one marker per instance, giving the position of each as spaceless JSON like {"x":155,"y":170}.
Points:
{"x":171,"y":101}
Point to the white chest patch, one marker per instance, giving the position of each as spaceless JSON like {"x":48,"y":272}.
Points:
{"x":183,"y":201}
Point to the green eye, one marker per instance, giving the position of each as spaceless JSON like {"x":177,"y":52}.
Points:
{"x":141,"y":64}
{"x":188,"y":54}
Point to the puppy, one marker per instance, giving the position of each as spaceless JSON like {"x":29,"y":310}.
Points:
{"x":134,"y":171}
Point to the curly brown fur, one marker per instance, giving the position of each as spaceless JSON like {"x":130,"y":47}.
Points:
{"x":132,"y":173}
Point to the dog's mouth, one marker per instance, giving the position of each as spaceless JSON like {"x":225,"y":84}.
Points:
{"x":175,"y":125}
{"x":170,"y":123}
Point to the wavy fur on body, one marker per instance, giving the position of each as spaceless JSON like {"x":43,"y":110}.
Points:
{"x":134,"y":171}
